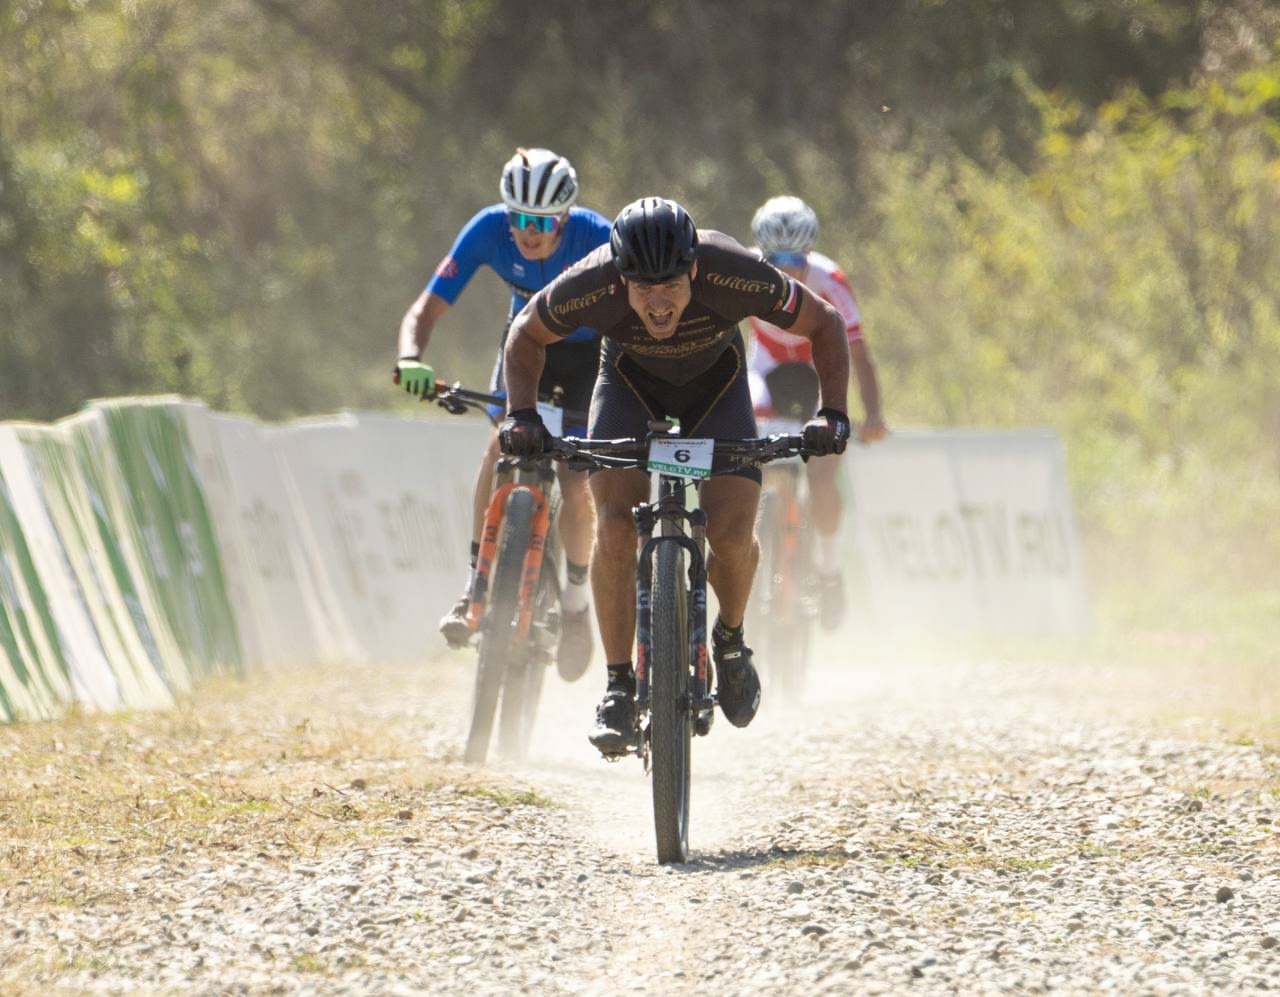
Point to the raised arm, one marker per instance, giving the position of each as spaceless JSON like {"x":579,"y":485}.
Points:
{"x":525,"y":354}
{"x":822,"y":325}
{"x":418,"y":323}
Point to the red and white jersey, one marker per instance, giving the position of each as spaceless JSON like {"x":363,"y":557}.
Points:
{"x":772,"y":346}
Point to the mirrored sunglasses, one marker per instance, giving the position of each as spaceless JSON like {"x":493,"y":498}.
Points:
{"x":520,"y":221}
{"x":788,"y":259}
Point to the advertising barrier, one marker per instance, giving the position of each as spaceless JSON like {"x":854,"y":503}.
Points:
{"x":146,"y":543}
{"x":35,"y":675}
{"x":386,"y":505}
{"x":287,"y":615}
{"x":167,"y":517}
{"x":963,"y":531}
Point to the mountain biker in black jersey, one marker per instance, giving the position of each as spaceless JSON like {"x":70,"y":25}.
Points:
{"x":668,"y":299}
{"x":529,"y":239}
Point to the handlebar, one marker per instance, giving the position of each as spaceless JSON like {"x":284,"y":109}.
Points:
{"x":456,"y":400}
{"x":584,"y":455}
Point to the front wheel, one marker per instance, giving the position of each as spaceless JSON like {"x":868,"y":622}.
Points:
{"x":528,"y":666}
{"x":670,"y":720}
{"x":498,"y":655}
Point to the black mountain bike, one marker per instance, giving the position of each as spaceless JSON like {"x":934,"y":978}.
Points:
{"x":673,"y":695}
{"x":515,"y":602}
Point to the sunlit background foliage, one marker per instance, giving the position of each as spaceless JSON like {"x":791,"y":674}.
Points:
{"x":1057,"y":212}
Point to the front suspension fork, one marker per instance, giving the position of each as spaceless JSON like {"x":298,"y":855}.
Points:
{"x":489,"y":551}
{"x":646,"y":518}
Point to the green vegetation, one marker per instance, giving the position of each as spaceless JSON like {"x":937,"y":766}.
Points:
{"x":507,"y":796}
{"x":1059,"y":212}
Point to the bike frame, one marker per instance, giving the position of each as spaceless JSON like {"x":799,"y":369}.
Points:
{"x":670,"y":512}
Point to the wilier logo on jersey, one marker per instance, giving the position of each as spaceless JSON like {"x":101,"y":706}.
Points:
{"x":448,"y":268}
{"x":740,"y":283}
{"x":577,"y":304}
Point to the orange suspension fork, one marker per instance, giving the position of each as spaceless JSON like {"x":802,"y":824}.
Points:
{"x":533,"y":562}
{"x":489,"y":551}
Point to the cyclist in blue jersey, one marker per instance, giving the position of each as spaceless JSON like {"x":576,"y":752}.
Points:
{"x":528,"y":240}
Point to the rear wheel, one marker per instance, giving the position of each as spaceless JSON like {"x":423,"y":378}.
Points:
{"x":497,"y":628}
{"x":785,"y":604}
{"x":670,"y":720}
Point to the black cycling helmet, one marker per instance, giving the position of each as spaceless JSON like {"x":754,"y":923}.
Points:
{"x":653,"y":240}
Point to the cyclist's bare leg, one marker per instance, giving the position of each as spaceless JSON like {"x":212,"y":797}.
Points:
{"x":825,"y":504}
{"x":483,"y":486}
{"x":613,"y":561}
{"x":730,"y":503}
{"x":577,"y":526}
{"x":577,"y":517}
{"x":455,"y":625}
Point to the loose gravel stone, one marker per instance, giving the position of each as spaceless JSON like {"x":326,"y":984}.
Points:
{"x":970,"y":827}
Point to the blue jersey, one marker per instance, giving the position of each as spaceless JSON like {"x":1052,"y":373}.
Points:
{"x":486,"y":239}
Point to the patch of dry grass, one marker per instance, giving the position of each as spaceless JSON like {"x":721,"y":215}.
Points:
{"x":269,"y":768}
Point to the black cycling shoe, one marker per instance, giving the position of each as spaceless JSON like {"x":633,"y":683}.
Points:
{"x":615,"y":732}
{"x":830,"y":601}
{"x":739,"y":688}
{"x":454,"y":624}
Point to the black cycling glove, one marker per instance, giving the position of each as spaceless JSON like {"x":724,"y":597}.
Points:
{"x":523,"y":434}
{"x":827,"y":432}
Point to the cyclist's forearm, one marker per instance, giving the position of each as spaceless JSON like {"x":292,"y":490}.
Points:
{"x":522,"y":365}
{"x":418,"y":323}
{"x":831,"y":360}
{"x":868,"y":384}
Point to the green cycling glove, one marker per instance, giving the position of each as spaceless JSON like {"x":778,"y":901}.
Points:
{"x":416,"y":377}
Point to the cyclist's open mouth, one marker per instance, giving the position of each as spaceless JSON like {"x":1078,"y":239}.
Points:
{"x":661,"y":324}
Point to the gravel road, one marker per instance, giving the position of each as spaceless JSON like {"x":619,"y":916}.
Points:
{"x":925,"y":828}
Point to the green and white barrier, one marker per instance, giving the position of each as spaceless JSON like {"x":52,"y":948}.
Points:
{"x":148,"y":543}
{"x":287,"y":615}
{"x":162,"y":510}
{"x":35,"y":675}
{"x":135,"y":647}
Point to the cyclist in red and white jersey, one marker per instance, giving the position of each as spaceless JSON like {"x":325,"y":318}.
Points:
{"x":784,"y":383}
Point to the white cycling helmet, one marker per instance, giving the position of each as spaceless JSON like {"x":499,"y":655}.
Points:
{"x":539,"y":182}
{"x":785,"y":225}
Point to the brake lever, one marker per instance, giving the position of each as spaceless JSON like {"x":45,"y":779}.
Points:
{"x":452,"y":405}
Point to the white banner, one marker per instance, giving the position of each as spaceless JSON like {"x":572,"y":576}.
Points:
{"x":284,"y":618}
{"x":957,"y":531}
{"x":386,"y":503}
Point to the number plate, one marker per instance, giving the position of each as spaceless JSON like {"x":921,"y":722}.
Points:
{"x":682,"y":458}
{"x":552,"y":418}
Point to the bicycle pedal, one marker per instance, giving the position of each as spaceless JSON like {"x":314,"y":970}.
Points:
{"x":702,"y":722}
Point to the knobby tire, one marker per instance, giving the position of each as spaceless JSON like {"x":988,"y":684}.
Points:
{"x":670,"y":717}
{"x":785,"y":620}
{"x":527,"y":668}
{"x":497,"y":629}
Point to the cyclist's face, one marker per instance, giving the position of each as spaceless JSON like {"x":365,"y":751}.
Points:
{"x":535,"y":245}
{"x":661,"y":305}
